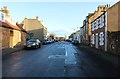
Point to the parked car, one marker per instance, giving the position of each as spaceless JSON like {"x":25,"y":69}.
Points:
{"x":44,"y":42}
{"x":75,"y":42}
{"x":33,"y":43}
{"x":68,"y":40}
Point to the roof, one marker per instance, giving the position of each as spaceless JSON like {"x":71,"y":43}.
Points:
{"x":21,"y":28}
{"x":6,"y":24}
{"x":13,"y":26}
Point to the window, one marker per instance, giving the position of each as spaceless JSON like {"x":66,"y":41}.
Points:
{"x":92,"y":39}
{"x":102,"y":20}
{"x":2,"y":17}
{"x":96,"y":24}
{"x":101,"y":38}
{"x":93,"y":26}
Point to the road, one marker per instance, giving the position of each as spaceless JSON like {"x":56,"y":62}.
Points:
{"x":60,"y":59}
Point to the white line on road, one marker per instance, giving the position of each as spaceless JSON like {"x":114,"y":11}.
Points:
{"x":69,"y":58}
{"x":65,"y":51}
{"x":73,"y":49}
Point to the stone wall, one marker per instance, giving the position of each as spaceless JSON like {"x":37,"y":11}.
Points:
{"x":5,"y":37}
{"x":113,"y":28}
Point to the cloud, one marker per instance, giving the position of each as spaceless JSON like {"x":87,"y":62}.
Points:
{"x":62,"y":32}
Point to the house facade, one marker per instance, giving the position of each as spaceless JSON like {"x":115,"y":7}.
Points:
{"x":81,"y":35}
{"x":113,"y":28}
{"x":99,"y":32}
{"x":91,"y":17}
{"x":35,"y":28}
{"x":11,"y":33}
{"x":105,"y":31}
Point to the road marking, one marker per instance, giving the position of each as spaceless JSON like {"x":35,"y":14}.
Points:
{"x":65,"y":51}
{"x":69,"y":58}
{"x":73,"y":49}
{"x":56,"y":56}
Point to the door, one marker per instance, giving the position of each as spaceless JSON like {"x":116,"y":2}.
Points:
{"x":11,"y":39}
{"x":96,"y":43}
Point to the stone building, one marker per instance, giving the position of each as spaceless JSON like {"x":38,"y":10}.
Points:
{"x":11,"y":33}
{"x":113,"y":28}
{"x":87,"y":22}
{"x":106,"y":30}
{"x":35,"y":28}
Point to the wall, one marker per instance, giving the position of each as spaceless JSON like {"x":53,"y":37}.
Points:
{"x":16,"y":37}
{"x":23,"y":38}
{"x":34,"y":26}
{"x":0,"y":39}
{"x":113,"y":28}
{"x":5,"y":37}
{"x":112,"y":18}
{"x":119,"y":15}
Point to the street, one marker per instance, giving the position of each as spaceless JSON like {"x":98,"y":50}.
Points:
{"x":59,"y":59}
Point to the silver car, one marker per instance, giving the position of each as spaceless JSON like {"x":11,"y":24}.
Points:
{"x":33,"y":43}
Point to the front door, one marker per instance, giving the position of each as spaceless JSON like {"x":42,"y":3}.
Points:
{"x":96,"y":43}
{"x":11,"y":38}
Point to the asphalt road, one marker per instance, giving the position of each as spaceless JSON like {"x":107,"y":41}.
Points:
{"x":60,"y":59}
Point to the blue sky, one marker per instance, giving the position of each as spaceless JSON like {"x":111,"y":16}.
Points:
{"x":61,"y":18}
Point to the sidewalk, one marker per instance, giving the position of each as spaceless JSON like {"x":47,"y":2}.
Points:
{"x":114,"y":59}
{"x":11,"y":50}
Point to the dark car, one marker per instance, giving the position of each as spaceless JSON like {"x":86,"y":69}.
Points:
{"x":33,"y":43}
{"x":75,"y":42}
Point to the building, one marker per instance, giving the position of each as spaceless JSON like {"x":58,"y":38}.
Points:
{"x":35,"y":28}
{"x":45,"y":33}
{"x":81,"y":35}
{"x":106,"y":30}
{"x":71,"y":37}
{"x":98,"y":30}
{"x":77,"y":35}
{"x":87,"y":22}
{"x":10,"y":31}
{"x":113,"y":28}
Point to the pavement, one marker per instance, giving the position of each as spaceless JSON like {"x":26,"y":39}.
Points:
{"x":12,"y":50}
{"x":112,"y":58}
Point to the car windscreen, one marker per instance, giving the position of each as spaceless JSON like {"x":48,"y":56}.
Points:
{"x":32,"y":40}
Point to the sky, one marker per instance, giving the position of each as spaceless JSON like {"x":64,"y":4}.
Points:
{"x":61,"y":18}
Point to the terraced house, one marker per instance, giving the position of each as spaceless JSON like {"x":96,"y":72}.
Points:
{"x":87,"y":22}
{"x":106,"y":30}
{"x":12,"y":35}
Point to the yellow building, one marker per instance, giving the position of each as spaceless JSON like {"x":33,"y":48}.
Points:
{"x":12,"y":34}
{"x":35,"y":28}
